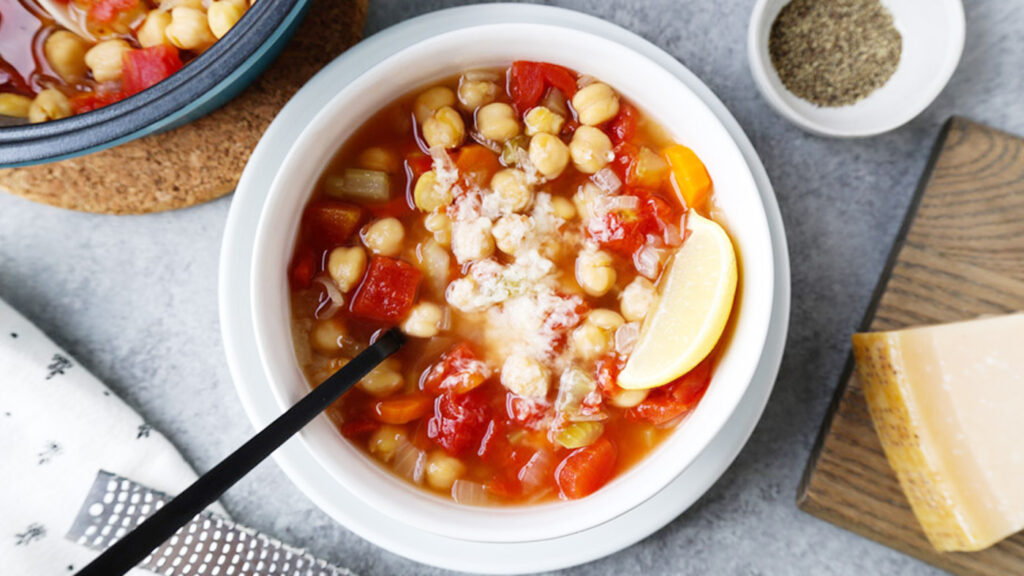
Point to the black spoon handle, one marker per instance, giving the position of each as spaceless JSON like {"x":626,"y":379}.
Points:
{"x":137,"y":544}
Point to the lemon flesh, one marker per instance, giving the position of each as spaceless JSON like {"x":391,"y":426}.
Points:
{"x":693,"y":303}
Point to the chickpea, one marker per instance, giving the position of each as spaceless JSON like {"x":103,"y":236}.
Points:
{"x":512,"y":190}
{"x":379,"y":159}
{"x":549,"y":154}
{"x":595,"y":104}
{"x":428,"y":194}
{"x":591,"y":149}
{"x":636,"y":299}
{"x":224,"y":14}
{"x":152,"y":31}
{"x":384,"y":236}
{"x":472,"y":240}
{"x":440,"y":225}
{"x":497,"y":121}
{"x":542,"y":120}
{"x":430,"y":100}
{"x":445,"y":128}
{"x":328,"y":336}
{"x":384,"y":380}
{"x":628,"y":398}
{"x":50,"y":104}
{"x":605,"y":319}
{"x":189,"y":29}
{"x":563,"y":208}
{"x":476,"y":93}
{"x":14,"y":105}
{"x":443,"y":470}
{"x":589,"y":341}
{"x":346,"y":266}
{"x":424,"y":320}
{"x":65,"y":52}
{"x":585,"y":200}
{"x":510,"y":232}
{"x":435,"y":262}
{"x":385,"y":441}
{"x":594,"y":272}
{"x":525,"y":376}
{"x":105,"y":60}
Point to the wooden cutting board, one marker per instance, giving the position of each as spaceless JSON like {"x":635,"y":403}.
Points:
{"x":202,"y":160}
{"x":959,"y":255}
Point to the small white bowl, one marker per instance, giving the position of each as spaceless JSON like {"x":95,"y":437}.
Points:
{"x":933,"y":39}
{"x":653,"y":89}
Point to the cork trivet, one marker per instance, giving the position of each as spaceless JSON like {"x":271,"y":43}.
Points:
{"x":203,"y":160}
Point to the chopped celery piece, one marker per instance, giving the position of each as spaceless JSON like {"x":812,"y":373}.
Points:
{"x":579,"y":434}
{"x":358,"y":184}
{"x":510,"y":154}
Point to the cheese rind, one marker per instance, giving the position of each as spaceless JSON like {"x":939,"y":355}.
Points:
{"x":947,"y":402}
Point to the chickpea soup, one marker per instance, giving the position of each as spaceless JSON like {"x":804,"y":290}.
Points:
{"x":48,"y":72}
{"x":518,"y":225}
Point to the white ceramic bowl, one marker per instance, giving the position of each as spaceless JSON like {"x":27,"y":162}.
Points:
{"x":654,"y":90}
{"x":933,"y":39}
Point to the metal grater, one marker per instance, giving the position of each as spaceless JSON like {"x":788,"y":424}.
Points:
{"x":208,"y":545}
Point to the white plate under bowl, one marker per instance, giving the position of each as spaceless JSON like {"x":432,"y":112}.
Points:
{"x":301,"y":465}
{"x":933,"y":40}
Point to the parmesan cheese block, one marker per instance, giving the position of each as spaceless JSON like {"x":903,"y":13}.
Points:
{"x":948,"y":404}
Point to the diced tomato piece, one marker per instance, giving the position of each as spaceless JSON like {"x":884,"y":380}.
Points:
{"x":388,"y":290}
{"x":394,"y":208}
{"x":526,"y":411}
{"x":623,"y":126}
{"x":676,"y":398}
{"x":607,"y":368}
{"x":525,"y":84}
{"x":358,"y":428}
{"x":402,"y":409}
{"x":655,"y":213}
{"x":89,"y":101}
{"x":459,"y":421}
{"x":105,"y":11}
{"x":303,"y":268}
{"x":148,"y":67}
{"x":559,"y":77}
{"x":417,"y":164}
{"x":504,"y":488}
{"x":619,"y":232}
{"x":586,"y":469}
{"x":459,"y":371}
{"x":331,"y":223}
{"x":625,"y":152}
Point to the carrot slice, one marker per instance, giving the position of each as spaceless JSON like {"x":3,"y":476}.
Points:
{"x":586,"y":469}
{"x":689,"y":177}
{"x":402,"y":409}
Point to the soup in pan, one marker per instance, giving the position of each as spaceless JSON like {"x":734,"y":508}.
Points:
{"x":532,"y":232}
{"x":48,"y":72}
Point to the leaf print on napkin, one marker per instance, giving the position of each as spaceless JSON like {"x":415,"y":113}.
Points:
{"x":31,"y":534}
{"x":58,"y":365}
{"x":143,"y":431}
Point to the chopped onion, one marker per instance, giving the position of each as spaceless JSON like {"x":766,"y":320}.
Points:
{"x":335,"y":299}
{"x":537,"y":470}
{"x":607,"y":180}
{"x":672,"y":236}
{"x":585,"y":80}
{"x":556,"y":102}
{"x":486,"y":142}
{"x":359,"y":184}
{"x":626,"y":337}
{"x":616,"y":203}
{"x":410,"y":462}
{"x":648,"y":261}
{"x":477,"y":75}
{"x":470,"y":493}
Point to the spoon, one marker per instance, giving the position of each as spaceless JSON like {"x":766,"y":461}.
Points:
{"x":137,"y":544}
{"x":61,"y":14}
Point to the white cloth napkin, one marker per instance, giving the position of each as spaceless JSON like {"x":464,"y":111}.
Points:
{"x":59,"y":426}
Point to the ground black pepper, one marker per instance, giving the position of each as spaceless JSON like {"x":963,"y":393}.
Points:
{"x":834,"y":52}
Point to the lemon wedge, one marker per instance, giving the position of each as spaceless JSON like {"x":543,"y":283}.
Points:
{"x":688,"y":316}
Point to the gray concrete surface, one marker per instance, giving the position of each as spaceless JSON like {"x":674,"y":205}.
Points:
{"x":135,"y":299}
